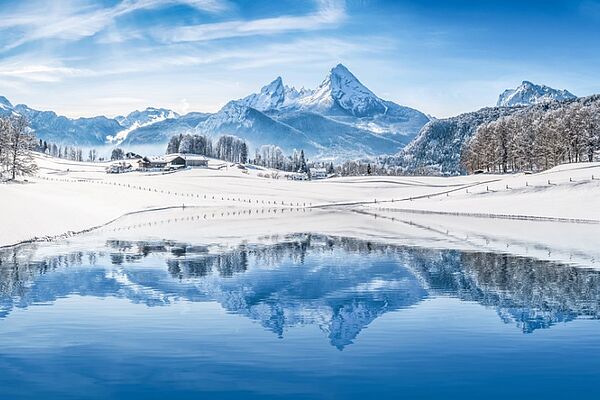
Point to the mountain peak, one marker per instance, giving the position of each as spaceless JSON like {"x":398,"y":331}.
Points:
{"x":270,"y":97}
{"x":340,"y":69}
{"x":274,"y":88}
{"x":341,"y":76}
{"x":529,"y":93}
{"x":343,"y":91}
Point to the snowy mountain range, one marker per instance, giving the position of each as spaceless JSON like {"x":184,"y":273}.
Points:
{"x":340,"y":119}
{"x":529,"y":93}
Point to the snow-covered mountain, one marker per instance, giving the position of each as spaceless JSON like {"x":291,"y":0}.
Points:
{"x":139,"y":119}
{"x":94,"y":131}
{"x":529,"y":93}
{"x":159,"y":132}
{"x":341,"y":96}
{"x":438,"y":148}
{"x":342,"y":92}
{"x":59,"y":129}
{"x":340,"y":119}
{"x":145,"y":117}
{"x":255,"y":127}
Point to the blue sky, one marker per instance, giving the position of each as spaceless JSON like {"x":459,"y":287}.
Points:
{"x":84,"y":58}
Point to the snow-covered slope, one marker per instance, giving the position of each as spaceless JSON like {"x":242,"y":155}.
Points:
{"x":342,"y":92}
{"x":139,"y":119}
{"x":255,"y":127}
{"x":74,"y":197}
{"x":529,"y":93}
{"x":438,"y":147}
{"x":159,"y":132}
{"x":145,"y":117}
{"x":5,"y":104}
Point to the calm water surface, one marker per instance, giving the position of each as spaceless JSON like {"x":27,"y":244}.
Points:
{"x":309,"y":316}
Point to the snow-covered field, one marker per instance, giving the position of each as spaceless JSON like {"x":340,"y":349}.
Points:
{"x":70,"y":196}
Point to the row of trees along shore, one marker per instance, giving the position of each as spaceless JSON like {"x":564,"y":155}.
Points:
{"x":536,"y":139}
{"x":17,"y":142}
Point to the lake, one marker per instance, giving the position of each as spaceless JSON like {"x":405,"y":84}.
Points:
{"x":299,"y":316}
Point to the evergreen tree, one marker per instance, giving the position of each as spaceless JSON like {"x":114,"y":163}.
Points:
{"x":244,"y":153}
{"x":303,"y":168}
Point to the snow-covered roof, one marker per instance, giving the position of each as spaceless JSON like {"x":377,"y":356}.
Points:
{"x":195,"y":157}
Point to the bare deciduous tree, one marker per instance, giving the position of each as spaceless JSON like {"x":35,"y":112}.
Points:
{"x":17,"y":142}
{"x":536,"y":139}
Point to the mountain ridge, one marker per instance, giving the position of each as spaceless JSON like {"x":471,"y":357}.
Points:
{"x":528,"y":93}
{"x":341,"y":118}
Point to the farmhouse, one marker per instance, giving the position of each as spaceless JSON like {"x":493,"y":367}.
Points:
{"x":195,"y":160}
{"x":146,"y":163}
{"x":173,"y":161}
{"x":318,"y":173}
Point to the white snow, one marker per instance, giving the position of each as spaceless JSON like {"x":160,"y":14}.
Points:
{"x":529,"y":93}
{"x":150,"y":119}
{"x":228,"y":201}
{"x":344,"y":88}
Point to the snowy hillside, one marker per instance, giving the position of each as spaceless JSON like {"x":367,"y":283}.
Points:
{"x":74,"y":197}
{"x":140,"y":119}
{"x":439,"y":146}
{"x":161,"y":131}
{"x":529,"y":93}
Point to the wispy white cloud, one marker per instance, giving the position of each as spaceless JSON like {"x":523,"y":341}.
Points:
{"x":329,"y":13}
{"x":326,"y":50}
{"x":40,"y":72}
{"x":323,"y":50}
{"x":73,"y":20}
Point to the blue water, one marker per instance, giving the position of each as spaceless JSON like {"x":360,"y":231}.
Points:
{"x":309,"y":317}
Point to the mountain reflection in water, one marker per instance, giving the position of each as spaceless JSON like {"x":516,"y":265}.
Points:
{"x":338,"y":284}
